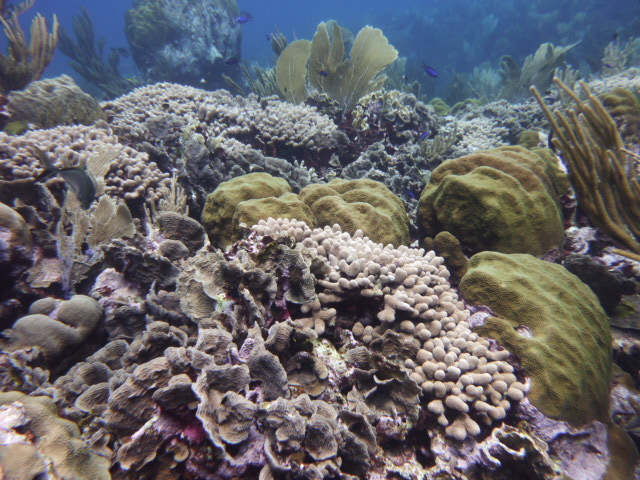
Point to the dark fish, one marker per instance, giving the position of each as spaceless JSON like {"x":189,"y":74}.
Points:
{"x":608,"y":65}
{"x":550,"y":143}
{"x":235,"y":60}
{"x":17,"y":127}
{"x":244,"y":17}
{"x":120,"y":51}
{"x":324,"y":73}
{"x":432,"y":72}
{"x":411,"y":194}
{"x":424,"y":136}
{"x":79,"y":181}
{"x":616,"y":35}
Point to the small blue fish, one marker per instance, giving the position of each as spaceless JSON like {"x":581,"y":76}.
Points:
{"x":411,"y":194}
{"x":424,"y":136}
{"x":324,"y":73}
{"x":244,"y":17}
{"x":608,"y":65}
{"x":120,"y":51}
{"x":432,"y":72}
{"x":232,"y":60}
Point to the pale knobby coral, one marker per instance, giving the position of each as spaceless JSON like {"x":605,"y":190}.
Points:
{"x":465,"y":380}
{"x":128,"y":175}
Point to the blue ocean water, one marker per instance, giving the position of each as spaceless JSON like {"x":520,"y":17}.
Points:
{"x":451,"y":36}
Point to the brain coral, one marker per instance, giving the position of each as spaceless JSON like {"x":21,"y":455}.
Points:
{"x":247,"y":199}
{"x":359,"y":204}
{"x":506,"y":199}
{"x":554,"y":323}
{"x":58,"y":327}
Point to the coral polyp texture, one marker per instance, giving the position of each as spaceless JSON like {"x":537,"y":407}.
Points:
{"x":415,"y":320}
{"x":130,"y":175}
{"x":507,"y":200}
{"x":556,"y":326}
{"x":364,"y":205}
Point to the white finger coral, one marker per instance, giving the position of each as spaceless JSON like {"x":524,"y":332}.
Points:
{"x":465,"y":380}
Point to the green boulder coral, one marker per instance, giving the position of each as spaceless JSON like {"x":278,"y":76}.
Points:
{"x":506,"y":200}
{"x":554,"y":323}
{"x":247,"y":199}
{"x":360,"y":204}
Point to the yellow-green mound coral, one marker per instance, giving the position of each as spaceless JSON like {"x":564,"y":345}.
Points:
{"x":554,"y":323}
{"x":247,"y":199}
{"x":506,"y":199}
{"x":37,"y":443}
{"x":360,"y":204}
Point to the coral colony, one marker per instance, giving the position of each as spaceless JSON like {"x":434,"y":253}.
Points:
{"x":323,"y":277}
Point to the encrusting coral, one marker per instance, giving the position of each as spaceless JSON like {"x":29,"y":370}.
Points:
{"x":37,"y":443}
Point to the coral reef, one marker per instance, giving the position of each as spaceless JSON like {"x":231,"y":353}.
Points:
{"x":594,"y":151}
{"x":344,"y":79}
{"x":25,"y":62}
{"x":245,"y":295}
{"x":52,"y":102}
{"x":507,"y":200}
{"x":554,"y":323}
{"x":364,"y":205}
{"x":184,"y":41}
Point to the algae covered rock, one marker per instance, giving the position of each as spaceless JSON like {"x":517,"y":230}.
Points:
{"x":55,"y":326}
{"x":52,"y":102}
{"x":506,"y":200}
{"x":183,"y":41}
{"x":37,"y":443}
{"x":247,"y":199}
{"x":359,"y":204}
{"x":554,"y":323}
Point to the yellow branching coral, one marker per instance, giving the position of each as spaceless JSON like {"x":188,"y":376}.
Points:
{"x":26,"y":62}
{"x":344,"y":79}
{"x":600,"y":168}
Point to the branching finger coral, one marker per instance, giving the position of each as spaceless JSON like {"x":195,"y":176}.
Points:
{"x":600,"y":171}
